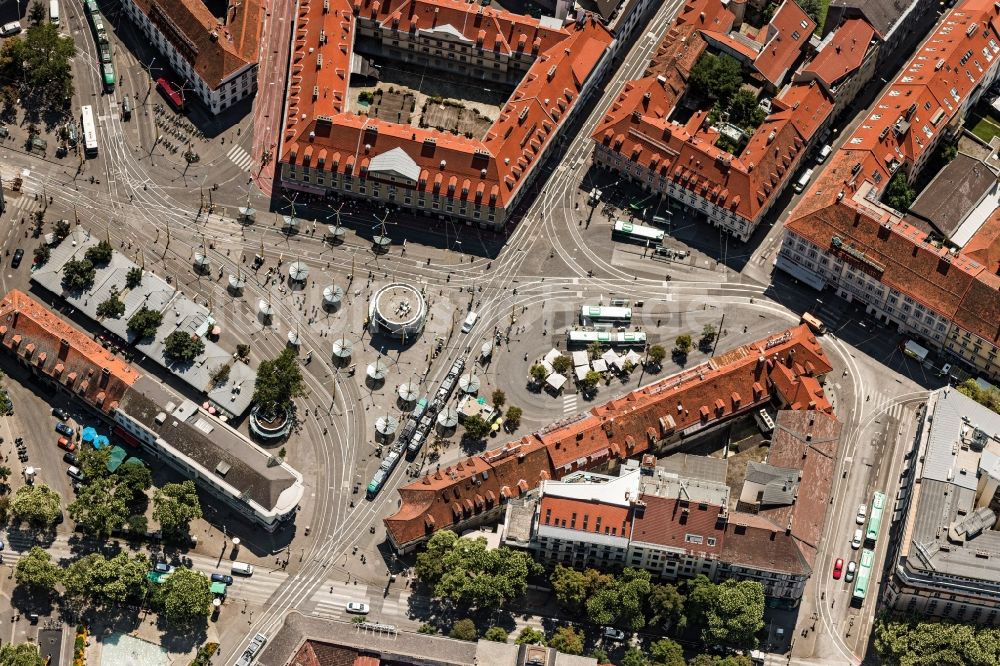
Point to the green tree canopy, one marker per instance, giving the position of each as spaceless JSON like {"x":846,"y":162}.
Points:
{"x":683,"y":344}
{"x":182,"y":347}
{"x":621,"y":603}
{"x":42,"y":254}
{"x":496,"y":634}
{"x":145,"y":322}
{"x":467,"y":573}
{"x":666,"y":605}
{"x":112,"y":307}
{"x":134,"y":479}
{"x":133,"y":278}
{"x":899,"y":194}
{"x":931,"y":643}
{"x":107,"y":582}
{"x":78,"y":275}
{"x":730,"y":613}
{"x":812,"y":8}
{"x":100,"y":508}
{"x":657,"y":353}
{"x":567,"y":640}
{"x":94,"y":462}
{"x":513,"y":416}
{"x":716,"y":77}
{"x":279,"y":380}
{"x":666,"y":652}
{"x":20,"y":654}
{"x":39,"y":61}
{"x":530,"y":636}
{"x":99,"y":254}
{"x":185,"y":596}
{"x":538,"y":372}
{"x":562,"y":364}
{"x":37,"y":572}
{"x":464,"y":630}
{"x":476,"y":427}
{"x":987,"y":397}
{"x":175,"y":506}
{"x":573,"y":587}
{"x":499,"y":398}
{"x":37,"y":504}
{"x":745,"y":111}
{"x":634,"y":657}
{"x":591,"y":379}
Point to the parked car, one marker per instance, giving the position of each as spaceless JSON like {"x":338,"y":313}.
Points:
{"x":851,"y":570}
{"x":60,"y":413}
{"x":862,"y":514}
{"x":838,"y":568}
{"x":66,"y":444}
{"x":856,"y":541}
{"x":70,"y":458}
{"x":162,"y":567}
{"x":614,"y":634}
{"x":9,"y":29}
{"x":75,"y":473}
{"x":64,"y":429}
{"x":357,"y":607}
{"x":222,"y":578}
{"x":16,"y":259}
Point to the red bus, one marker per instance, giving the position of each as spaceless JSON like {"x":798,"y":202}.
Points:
{"x":173,"y":96}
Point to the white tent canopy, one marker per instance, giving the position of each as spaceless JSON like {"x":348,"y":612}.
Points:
{"x":632,"y":357}
{"x":581,"y":371}
{"x":555,"y":380}
{"x":600,"y":365}
{"x":581,"y":358}
{"x":552,"y":356}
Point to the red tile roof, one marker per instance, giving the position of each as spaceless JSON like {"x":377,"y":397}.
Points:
{"x":573,"y":514}
{"x":787,"y":34}
{"x":57,"y":349}
{"x":322,"y":133}
{"x":755,"y":542}
{"x":843,"y":54}
{"x":728,"y":384}
{"x":930,"y":92}
{"x":984,"y":246}
{"x":663,"y":522}
{"x":216,"y":49}
{"x":636,"y":126}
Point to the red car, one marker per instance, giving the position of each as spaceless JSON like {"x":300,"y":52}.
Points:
{"x":838,"y":568}
{"x":66,"y":444}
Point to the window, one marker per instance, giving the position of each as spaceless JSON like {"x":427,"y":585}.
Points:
{"x":711,"y":541}
{"x":693,"y":538}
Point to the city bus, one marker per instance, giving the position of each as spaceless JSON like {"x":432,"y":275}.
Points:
{"x":89,"y":131}
{"x":875,"y":520}
{"x":633,"y":339}
{"x":603,"y":314}
{"x":814,"y":324}
{"x":864,"y":577}
{"x":636,"y":233}
{"x":54,"y":12}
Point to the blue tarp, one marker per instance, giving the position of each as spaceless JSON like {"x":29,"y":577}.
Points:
{"x":88,"y":434}
{"x":101,"y":441}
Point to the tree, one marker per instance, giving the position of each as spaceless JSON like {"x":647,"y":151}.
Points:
{"x":567,"y":640}
{"x":36,"y":13}
{"x":573,"y":587}
{"x":99,"y":254}
{"x":21,"y":654}
{"x":666,"y":652}
{"x":899,"y":194}
{"x":428,"y":629}
{"x":730,"y":613}
{"x":745,"y":111}
{"x":112,"y":308}
{"x":133,"y":278}
{"x":40,"y":62}
{"x":499,"y":398}
{"x":242,"y":352}
{"x":513,"y":417}
{"x":530,"y":636}
{"x":716,"y":77}
{"x":936,"y":643}
{"x":137,"y":524}
{"x":496,"y":634}
{"x":42,"y":254}
{"x":37,"y":504}
{"x":634,"y":657}
{"x":702,"y":660}
{"x":591,"y":380}
{"x":107,"y":581}
{"x":594,"y":350}
{"x":78,"y":275}
{"x":61,"y":230}
{"x":99,"y":508}
{"x":538,"y":373}
{"x":476,"y":427}
{"x":133,"y":479}
{"x":185,"y":596}
{"x":279,"y":380}
{"x":220,"y":375}
{"x":144,"y":323}
{"x":175,"y":506}
{"x":467,"y":573}
{"x":183,"y":347}
{"x":94,"y":462}
{"x":464,"y":630}
{"x":812,"y":8}
{"x":656,"y":354}
{"x":600,"y":655}
{"x":708,"y":335}
{"x":987,"y":397}
{"x":37,"y":572}
{"x":666,"y":605}
{"x":4,"y":473}
{"x":562,"y":364}
{"x":682,"y":345}
{"x":622,"y":602}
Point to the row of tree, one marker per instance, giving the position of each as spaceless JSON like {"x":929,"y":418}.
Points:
{"x":727,"y":613}
{"x":918,"y":643}
{"x":35,"y":68}
{"x":103,"y":583}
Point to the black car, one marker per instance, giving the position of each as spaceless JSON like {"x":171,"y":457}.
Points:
{"x":60,"y":413}
{"x":18,"y":255}
{"x":70,"y":458}
{"x":222,"y":578}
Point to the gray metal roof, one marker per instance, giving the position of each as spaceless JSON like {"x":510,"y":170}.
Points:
{"x":953,"y":194}
{"x":179,"y":312}
{"x":395,"y":160}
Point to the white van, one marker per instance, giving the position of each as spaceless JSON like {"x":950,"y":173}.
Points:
{"x":54,"y":12}
{"x":823,"y":154}
{"x":242,"y":569}
{"x":803,"y":180}
{"x":469,"y":322}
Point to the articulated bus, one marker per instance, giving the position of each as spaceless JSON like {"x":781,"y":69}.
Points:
{"x":89,"y":131}
{"x":603,"y":314}
{"x":875,"y":520}
{"x":863,"y":580}
{"x":632,"y":339}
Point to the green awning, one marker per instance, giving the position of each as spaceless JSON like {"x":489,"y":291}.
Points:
{"x":156,"y":577}
{"x":118,"y":456}
{"x":219,"y":589}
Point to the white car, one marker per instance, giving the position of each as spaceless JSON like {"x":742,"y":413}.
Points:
{"x":75,"y":473}
{"x":9,"y":29}
{"x":357,"y":607}
{"x":862,"y":514}
{"x":851,"y":570}
{"x":614,"y":634}
{"x":856,"y":541}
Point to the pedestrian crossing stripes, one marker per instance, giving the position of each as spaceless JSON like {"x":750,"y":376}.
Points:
{"x":332,"y":604}
{"x":569,"y":404}
{"x":240,"y":157}
{"x":19,"y":207}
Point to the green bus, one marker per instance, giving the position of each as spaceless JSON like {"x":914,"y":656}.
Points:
{"x":875,"y":519}
{"x":864,"y":577}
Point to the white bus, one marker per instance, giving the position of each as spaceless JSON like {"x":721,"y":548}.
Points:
{"x":636,"y":233}
{"x":54,"y":12}
{"x":89,"y":131}
{"x":603,"y":314}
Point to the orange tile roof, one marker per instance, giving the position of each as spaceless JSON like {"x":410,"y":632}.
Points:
{"x":984,"y":246}
{"x":322,"y":133}
{"x":787,"y":34}
{"x":729,"y":384}
{"x":930,"y":91}
{"x":216,"y":49}
{"x":636,"y":126}
{"x":573,"y":514}
{"x":843,"y":54}
{"x":56,"y":349}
